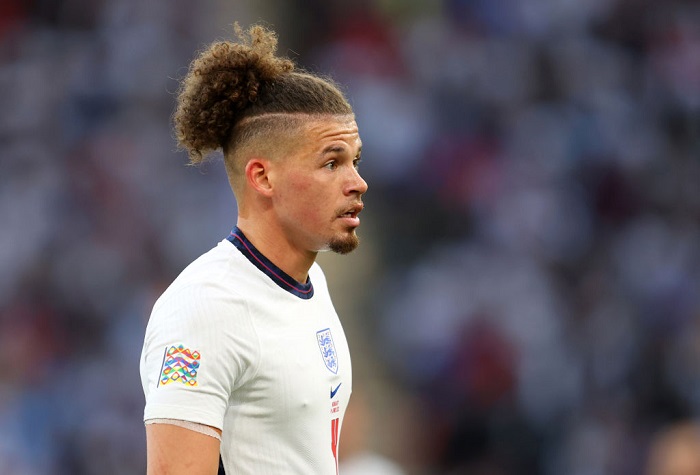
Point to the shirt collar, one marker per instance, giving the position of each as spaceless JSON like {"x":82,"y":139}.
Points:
{"x":285,"y":281}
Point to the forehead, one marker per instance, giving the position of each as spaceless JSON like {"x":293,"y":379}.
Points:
{"x":323,"y":131}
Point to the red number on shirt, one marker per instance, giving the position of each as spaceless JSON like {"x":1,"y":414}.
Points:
{"x":334,"y":441}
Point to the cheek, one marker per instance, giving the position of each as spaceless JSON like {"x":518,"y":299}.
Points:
{"x":304,"y":199}
{"x":292,"y":190}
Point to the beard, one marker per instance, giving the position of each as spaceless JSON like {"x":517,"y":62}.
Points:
{"x":344,"y":245}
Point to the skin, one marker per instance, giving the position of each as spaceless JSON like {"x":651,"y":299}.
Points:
{"x":290,"y":207}
{"x":173,"y":450}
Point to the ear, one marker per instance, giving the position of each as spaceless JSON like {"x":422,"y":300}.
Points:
{"x":257,"y":174}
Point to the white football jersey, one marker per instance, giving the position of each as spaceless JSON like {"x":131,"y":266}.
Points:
{"x":237,"y":344}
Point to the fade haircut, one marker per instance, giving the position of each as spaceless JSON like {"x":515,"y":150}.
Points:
{"x":237,"y":93}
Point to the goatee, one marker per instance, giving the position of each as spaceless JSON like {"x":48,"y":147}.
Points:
{"x":345,"y":245}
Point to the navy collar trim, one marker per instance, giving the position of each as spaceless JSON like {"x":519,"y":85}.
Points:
{"x":278,"y":276}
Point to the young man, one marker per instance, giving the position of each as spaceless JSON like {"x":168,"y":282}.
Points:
{"x":245,"y":366}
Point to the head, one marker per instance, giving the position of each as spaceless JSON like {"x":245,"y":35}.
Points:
{"x":275,"y":125}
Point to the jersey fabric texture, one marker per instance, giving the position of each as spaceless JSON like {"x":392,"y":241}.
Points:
{"x":237,"y":344}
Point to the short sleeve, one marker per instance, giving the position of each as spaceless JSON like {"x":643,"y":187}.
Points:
{"x":199,"y":346}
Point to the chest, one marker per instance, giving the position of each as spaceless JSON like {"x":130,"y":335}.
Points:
{"x":304,"y":370}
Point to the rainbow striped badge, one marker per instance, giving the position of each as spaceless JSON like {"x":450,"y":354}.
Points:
{"x":180,"y":364}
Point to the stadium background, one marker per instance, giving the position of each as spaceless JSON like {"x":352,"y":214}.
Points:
{"x":526,"y":299}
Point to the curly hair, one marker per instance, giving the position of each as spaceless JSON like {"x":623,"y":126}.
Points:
{"x":229,"y":82}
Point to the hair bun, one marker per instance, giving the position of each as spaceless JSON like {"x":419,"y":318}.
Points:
{"x":220,"y":84}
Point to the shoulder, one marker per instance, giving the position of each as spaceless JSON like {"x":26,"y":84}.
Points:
{"x":211,"y":288}
{"x":219,"y":271}
{"x":206,"y":309}
{"x":217,"y":265}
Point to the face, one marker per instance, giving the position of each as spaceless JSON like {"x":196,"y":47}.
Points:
{"x":318,"y":189}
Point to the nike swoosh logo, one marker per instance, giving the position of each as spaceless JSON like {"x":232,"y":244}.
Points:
{"x":333,"y":391}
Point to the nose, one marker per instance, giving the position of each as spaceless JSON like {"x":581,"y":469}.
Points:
{"x":357,"y":184}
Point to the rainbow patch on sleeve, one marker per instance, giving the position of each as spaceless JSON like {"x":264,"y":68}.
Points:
{"x":180,"y":364}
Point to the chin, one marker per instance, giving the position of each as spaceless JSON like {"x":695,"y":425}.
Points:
{"x":344,"y":245}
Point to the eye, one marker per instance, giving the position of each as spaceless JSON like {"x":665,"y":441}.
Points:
{"x":331,"y":165}
{"x":356,"y":163}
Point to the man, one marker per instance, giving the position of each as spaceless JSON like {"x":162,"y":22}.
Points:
{"x":245,"y":366}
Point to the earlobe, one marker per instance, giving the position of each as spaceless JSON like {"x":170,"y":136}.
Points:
{"x":257,"y":173}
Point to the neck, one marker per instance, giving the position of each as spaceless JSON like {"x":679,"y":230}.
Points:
{"x":274,"y":244}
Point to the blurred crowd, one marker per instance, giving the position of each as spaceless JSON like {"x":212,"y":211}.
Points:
{"x":533,"y":305}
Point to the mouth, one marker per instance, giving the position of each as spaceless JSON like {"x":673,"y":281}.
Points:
{"x":350,"y":214}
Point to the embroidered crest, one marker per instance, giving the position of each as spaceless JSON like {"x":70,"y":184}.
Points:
{"x":325,"y":344}
{"x":180,"y":364}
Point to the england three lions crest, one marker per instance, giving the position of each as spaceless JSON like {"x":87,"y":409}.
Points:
{"x":327,"y":347}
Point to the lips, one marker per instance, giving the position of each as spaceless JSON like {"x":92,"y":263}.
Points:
{"x":349,"y":215}
{"x":352,"y":212}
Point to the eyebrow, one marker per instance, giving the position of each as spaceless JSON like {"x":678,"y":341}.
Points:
{"x":333,"y":149}
{"x":339,"y":149}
